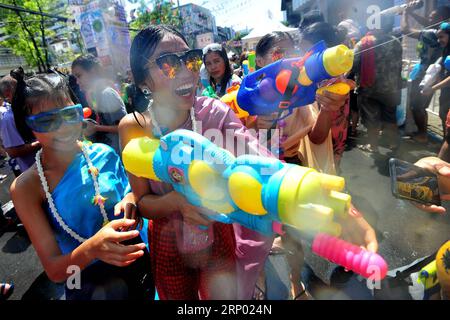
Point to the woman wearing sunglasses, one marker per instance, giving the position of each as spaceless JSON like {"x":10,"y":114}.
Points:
{"x":167,"y":72}
{"x":69,"y":201}
{"x":218,"y":65}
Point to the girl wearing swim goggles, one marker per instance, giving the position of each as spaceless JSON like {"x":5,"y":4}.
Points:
{"x":71,"y":199}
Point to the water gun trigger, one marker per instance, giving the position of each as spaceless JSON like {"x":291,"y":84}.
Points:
{"x":339,"y":88}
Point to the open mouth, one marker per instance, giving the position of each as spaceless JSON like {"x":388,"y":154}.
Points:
{"x":184,"y":90}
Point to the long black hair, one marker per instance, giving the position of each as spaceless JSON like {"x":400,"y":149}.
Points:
{"x":143,"y":47}
{"x":87,"y":62}
{"x":33,"y":92}
{"x":445,"y":27}
{"x":226,"y":76}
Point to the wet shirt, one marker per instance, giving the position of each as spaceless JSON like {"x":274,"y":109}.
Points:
{"x":388,"y":65}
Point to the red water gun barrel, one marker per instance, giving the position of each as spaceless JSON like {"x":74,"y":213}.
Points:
{"x":354,"y":258}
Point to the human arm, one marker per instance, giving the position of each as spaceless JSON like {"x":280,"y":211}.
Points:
{"x":112,"y":108}
{"x":406,"y":28}
{"x":444,"y":153}
{"x":430,"y":90}
{"x":442,"y":169}
{"x":149,"y":205}
{"x":422,"y":20}
{"x":104,"y":245}
{"x":13,"y":142}
{"x":358,"y":231}
{"x":23,"y":150}
{"x":329,"y":102}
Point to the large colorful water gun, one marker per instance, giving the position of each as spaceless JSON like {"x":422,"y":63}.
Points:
{"x":290,"y":83}
{"x":257,"y":192}
{"x":443,"y":269}
{"x":437,"y":272}
{"x":447,"y":63}
{"x":231,"y":100}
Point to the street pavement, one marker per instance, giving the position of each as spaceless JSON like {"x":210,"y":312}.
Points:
{"x":405,"y":233}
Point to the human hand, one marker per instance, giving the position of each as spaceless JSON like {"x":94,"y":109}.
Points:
{"x":358,"y":231}
{"x":89,"y":128}
{"x":129,"y":209}
{"x":106,"y":245}
{"x":266,"y":121}
{"x":329,"y":101}
{"x":442,"y":170}
{"x":191,"y":214}
{"x":427,"y":91}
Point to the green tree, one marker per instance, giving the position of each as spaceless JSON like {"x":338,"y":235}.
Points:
{"x":162,"y":13}
{"x":27,"y":34}
{"x":240,"y":35}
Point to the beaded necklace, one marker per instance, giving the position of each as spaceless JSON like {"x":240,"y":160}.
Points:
{"x":98,"y":199}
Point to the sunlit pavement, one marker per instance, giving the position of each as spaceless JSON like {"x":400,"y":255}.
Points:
{"x":405,"y":234}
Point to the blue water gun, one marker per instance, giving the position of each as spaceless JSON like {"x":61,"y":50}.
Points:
{"x":447,"y":63}
{"x":290,"y":83}
{"x":257,"y":192}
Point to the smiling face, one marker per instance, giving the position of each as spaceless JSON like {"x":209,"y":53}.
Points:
{"x":177,"y":92}
{"x":65,"y":137}
{"x":215,"y":65}
{"x":443,"y":38}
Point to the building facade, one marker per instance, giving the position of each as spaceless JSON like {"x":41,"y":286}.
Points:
{"x":9,"y":61}
{"x":198,"y":24}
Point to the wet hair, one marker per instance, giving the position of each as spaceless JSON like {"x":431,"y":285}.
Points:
{"x":87,"y":62}
{"x":228,"y":73}
{"x":446,"y":50}
{"x":33,"y":92}
{"x":323,"y":31}
{"x":270,"y":40}
{"x":144,"y":46}
{"x":309,"y":18}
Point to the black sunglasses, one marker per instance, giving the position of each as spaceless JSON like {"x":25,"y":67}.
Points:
{"x":170,"y":63}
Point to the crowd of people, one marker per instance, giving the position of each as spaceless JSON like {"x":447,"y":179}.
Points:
{"x":131,"y":235}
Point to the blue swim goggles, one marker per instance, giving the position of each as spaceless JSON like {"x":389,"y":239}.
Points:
{"x":52,"y":120}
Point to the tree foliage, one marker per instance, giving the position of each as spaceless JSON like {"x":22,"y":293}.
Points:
{"x":27,"y":34}
{"x":162,"y":12}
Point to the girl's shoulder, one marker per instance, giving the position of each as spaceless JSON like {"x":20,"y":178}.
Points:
{"x":134,"y":125}
{"x":27,"y":186}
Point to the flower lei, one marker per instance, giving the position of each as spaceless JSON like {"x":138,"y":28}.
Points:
{"x":97,"y":200}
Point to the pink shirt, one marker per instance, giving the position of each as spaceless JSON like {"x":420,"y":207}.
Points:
{"x":252,"y":248}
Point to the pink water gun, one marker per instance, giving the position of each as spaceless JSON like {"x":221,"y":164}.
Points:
{"x":351,"y":257}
